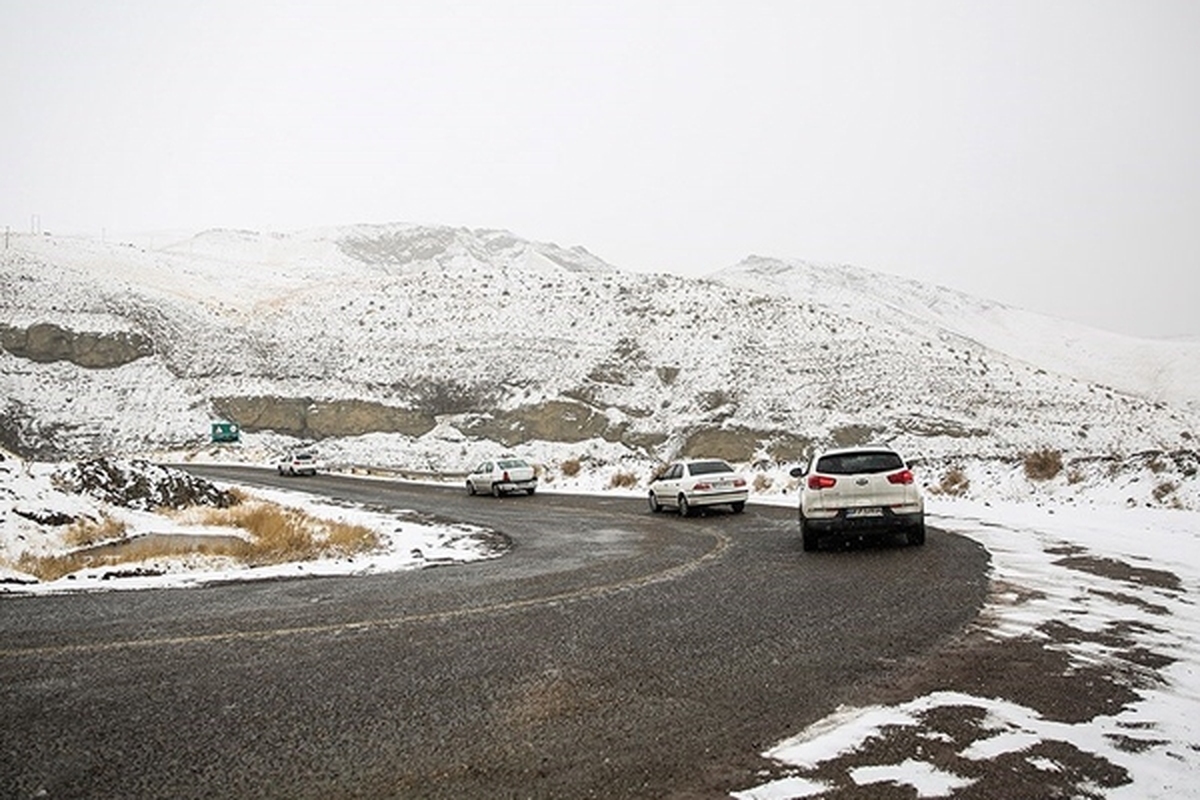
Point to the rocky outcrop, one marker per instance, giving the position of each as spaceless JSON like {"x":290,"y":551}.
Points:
{"x":560,"y":420}
{"x":141,"y":485}
{"x":305,"y":418}
{"x":46,"y":342}
{"x":740,"y":445}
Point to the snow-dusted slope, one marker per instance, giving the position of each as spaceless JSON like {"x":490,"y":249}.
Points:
{"x":1165,"y":370}
{"x":499,"y":341}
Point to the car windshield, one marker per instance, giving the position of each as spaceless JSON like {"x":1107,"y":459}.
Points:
{"x":303,"y":456}
{"x":709,"y":467}
{"x":511,"y":464}
{"x":854,"y":463}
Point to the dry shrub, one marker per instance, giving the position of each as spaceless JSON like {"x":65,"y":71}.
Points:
{"x":1164,"y":490}
{"x":345,"y":539}
{"x":279,"y":534}
{"x":622,"y":480}
{"x":87,"y":532}
{"x":954,"y":483}
{"x":570,"y":467}
{"x":49,"y":568}
{"x":762,"y":482}
{"x":1043,"y":465}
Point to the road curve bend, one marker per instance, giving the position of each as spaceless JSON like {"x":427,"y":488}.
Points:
{"x":611,"y":653}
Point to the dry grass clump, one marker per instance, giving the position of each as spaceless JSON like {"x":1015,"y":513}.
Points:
{"x":49,"y":568}
{"x":1043,"y":465}
{"x":762,"y":482}
{"x":622,"y":480}
{"x":53,"y":567}
{"x":570,"y":468}
{"x":279,"y":534}
{"x":954,"y":483}
{"x":276,"y":534}
{"x":87,"y":532}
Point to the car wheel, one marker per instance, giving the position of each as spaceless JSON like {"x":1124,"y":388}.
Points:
{"x":808,"y":537}
{"x":530,"y":492}
{"x":916,"y":535}
{"x":470,"y":488}
{"x":655,"y":506}
{"x":496,"y":490}
{"x":738,"y":507}
{"x":685,"y":509}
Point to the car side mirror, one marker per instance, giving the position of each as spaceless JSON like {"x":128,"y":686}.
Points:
{"x":797,"y":472}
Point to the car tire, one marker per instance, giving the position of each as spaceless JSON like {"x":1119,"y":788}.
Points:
{"x":530,"y":492}
{"x":808,"y":537}
{"x":655,"y":506}
{"x":738,"y":507}
{"x":496,"y":490}
{"x":685,"y":509}
{"x":470,"y":489}
{"x":916,"y":535}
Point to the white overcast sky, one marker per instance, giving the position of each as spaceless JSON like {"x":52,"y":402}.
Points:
{"x":1045,"y":154}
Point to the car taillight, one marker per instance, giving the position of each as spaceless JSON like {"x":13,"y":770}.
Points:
{"x":739,"y":482}
{"x":506,"y":480}
{"x":702,"y":487}
{"x":904,"y":476}
{"x":821,"y":482}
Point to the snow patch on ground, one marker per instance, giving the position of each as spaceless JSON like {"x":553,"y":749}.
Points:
{"x":29,"y":492}
{"x":1125,"y":579}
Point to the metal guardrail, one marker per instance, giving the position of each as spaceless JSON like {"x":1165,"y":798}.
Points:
{"x":400,"y":472}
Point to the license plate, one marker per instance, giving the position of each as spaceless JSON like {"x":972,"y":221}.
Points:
{"x":864,"y":512}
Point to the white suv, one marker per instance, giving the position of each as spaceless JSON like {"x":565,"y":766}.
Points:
{"x":859,"y":491}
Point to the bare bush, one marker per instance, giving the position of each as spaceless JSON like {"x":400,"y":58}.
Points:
{"x":622,"y":480}
{"x":762,"y":482}
{"x":1164,"y":490}
{"x":279,"y":534}
{"x":1043,"y":465}
{"x":954,"y":483}
{"x":570,"y":468}
{"x":276,"y":535}
{"x":87,"y":532}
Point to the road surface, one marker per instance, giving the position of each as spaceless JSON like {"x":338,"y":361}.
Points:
{"x":610,"y":653}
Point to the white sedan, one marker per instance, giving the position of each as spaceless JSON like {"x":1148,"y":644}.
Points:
{"x":502,"y":476}
{"x":688,"y":485}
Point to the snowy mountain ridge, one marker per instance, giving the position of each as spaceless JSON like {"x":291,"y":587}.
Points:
{"x":425,"y":346}
{"x":1160,"y":369}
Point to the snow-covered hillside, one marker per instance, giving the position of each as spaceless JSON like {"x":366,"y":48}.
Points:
{"x":425,"y":348}
{"x":1164,"y":370}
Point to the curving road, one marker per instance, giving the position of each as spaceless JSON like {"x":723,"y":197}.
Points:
{"x":611,"y":653}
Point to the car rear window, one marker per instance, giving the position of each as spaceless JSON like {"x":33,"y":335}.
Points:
{"x":709,"y":467}
{"x":511,"y":464}
{"x":854,"y":463}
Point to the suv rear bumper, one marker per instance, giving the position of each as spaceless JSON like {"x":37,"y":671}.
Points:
{"x":889,"y":521}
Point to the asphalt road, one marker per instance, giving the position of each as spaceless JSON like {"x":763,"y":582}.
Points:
{"x":611,"y":653}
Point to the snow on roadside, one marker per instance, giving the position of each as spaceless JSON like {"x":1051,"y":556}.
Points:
{"x":1126,"y":579}
{"x":410,"y":540}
